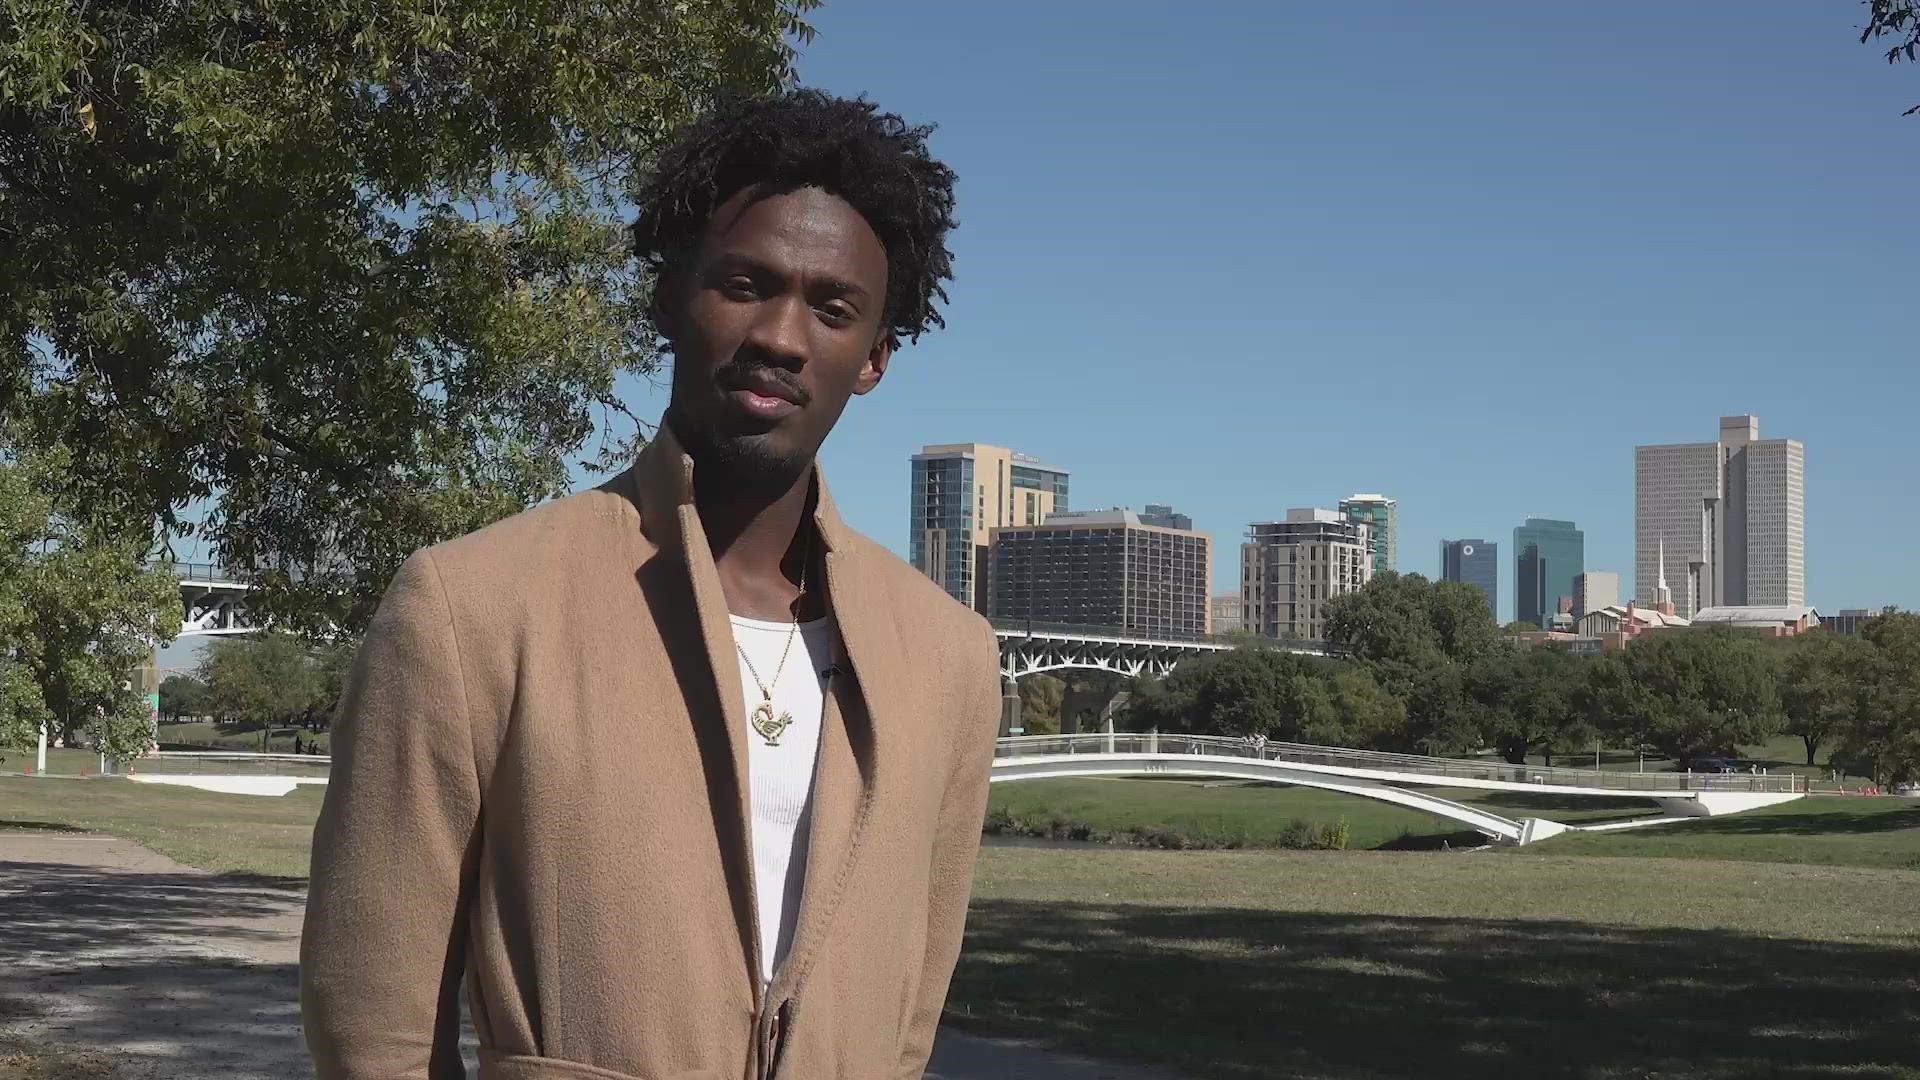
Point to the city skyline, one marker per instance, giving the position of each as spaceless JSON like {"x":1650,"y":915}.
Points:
{"x":1678,"y":246}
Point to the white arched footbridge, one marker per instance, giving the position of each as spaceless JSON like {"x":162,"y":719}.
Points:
{"x":1402,"y":779}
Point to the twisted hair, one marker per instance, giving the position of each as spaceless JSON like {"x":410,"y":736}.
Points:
{"x":779,"y":143}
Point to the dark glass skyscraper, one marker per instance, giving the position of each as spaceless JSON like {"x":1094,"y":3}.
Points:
{"x":1548,"y":555}
{"x":1476,"y":562}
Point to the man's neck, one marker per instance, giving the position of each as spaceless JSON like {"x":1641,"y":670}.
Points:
{"x":763,"y":546}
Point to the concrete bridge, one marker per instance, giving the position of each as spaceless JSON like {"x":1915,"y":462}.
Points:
{"x":1032,"y":648}
{"x":1402,"y":779}
{"x":212,"y":602}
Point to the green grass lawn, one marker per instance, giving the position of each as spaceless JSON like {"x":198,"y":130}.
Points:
{"x":1780,"y":754}
{"x":199,"y":734}
{"x":1829,"y":831}
{"x":59,"y":763}
{"x":1712,"y":950}
{"x":1224,"y":814}
{"x":225,"y":833}
{"x":1468,"y":965}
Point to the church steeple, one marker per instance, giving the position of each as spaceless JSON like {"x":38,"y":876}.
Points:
{"x":1663,"y":596}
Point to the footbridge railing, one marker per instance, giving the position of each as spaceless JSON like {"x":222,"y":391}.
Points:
{"x":1410,"y":766}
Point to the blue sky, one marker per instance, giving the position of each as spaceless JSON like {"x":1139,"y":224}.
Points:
{"x":1241,"y":257}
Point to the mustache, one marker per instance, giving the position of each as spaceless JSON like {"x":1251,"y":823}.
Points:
{"x":741,"y":372}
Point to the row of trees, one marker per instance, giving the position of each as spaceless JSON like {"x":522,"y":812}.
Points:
{"x":1428,"y":671}
{"x":273,"y":680}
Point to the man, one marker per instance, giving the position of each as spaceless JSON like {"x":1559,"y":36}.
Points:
{"x":682,"y":775}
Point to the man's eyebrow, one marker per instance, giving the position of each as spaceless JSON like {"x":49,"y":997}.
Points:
{"x":845,"y":288}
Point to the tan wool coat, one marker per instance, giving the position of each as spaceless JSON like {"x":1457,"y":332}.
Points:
{"x":539,"y":783}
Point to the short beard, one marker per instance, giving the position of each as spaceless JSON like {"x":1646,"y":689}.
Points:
{"x":742,"y":464}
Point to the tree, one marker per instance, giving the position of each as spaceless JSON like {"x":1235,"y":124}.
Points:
{"x":1899,"y":20}
{"x":1085,"y":697}
{"x":1686,"y":693}
{"x":339,"y":278}
{"x":269,"y":681}
{"x":1819,"y":676}
{"x":182,"y":696}
{"x":1040,"y":697}
{"x":1403,"y":624}
{"x":1281,"y":695}
{"x":1526,"y":701}
{"x":1418,"y":637}
{"x":333,"y":661}
{"x":80,"y":611}
{"x":24,"y":511}
{"x":1883,"y":739}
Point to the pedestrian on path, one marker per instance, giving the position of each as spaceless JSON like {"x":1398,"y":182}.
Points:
{"x":682,"y":775}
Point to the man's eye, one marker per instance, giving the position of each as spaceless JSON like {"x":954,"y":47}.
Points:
{"x":738,"y":286}
{"x":838,"y":312}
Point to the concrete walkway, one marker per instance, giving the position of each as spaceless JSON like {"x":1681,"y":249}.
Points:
{"x":106,"y":945}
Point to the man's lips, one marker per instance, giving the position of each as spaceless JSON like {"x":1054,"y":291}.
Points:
{"x":763,"y":406}
{"x":763,"y":383}
{"x":763,"y":393}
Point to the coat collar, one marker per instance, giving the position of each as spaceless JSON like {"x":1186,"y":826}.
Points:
{"x":861,"y":727}
{"x":662,"y":478}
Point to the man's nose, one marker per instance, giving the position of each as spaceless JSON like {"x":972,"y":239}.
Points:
{"x":779,"y":331}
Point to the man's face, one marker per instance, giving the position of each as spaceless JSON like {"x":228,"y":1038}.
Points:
{"x":775,"y":322}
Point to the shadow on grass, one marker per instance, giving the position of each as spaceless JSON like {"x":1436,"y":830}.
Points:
{"x":1545,"y":805}
{"x":1235,"y":993}
{"x":1796,"y":821}
{"x":39,"y":826}
{"x":1448,"y":841}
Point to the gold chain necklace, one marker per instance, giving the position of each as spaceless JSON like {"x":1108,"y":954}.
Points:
{"x":762,"y":719}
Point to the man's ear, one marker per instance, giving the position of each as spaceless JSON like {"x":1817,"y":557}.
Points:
{"x":878,"y":358}
{"x":665,"y":306}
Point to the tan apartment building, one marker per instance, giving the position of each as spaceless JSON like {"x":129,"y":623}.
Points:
{"x":960,"y":493}
{"x":1289,"y":570}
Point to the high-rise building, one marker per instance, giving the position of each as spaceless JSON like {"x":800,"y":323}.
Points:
{"x":1165,"y":518}
{"x":1104,"y":568}
{"x":1476,"y":562}
{"x":1381,"y":516}
{"x":1594,"y":590}
{"x":1547,"y":556}
{"x":961,"y":491}
{"x":1290,"y":569}
{"x":1731,"y":515}
{"x":1226,"y":614}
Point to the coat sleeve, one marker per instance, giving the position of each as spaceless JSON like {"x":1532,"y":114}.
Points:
{"x":957,"y":846}
{"x":395,"y":850}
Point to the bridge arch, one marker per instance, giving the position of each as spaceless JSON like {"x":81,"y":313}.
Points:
{"x":1009,"y":768}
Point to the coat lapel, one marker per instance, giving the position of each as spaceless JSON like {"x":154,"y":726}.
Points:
{"x":663,"y":480}
{"x":858,"y":736}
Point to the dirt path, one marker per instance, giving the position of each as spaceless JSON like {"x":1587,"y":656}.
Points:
{"x":192,"y":976}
